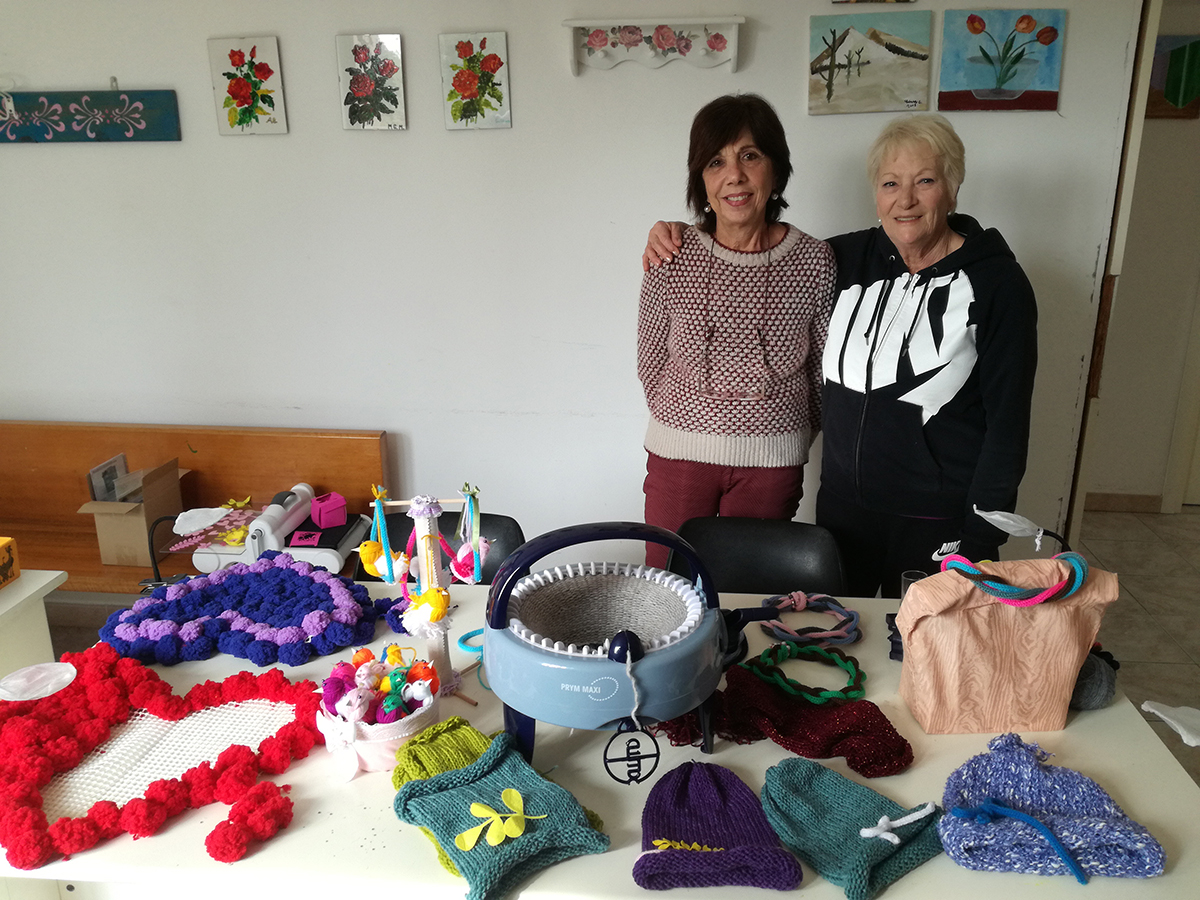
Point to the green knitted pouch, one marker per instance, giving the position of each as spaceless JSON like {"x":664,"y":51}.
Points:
{"x":441,"y":747}
{"x":851,"y":835}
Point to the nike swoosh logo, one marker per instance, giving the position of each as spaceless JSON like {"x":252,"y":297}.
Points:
{"x":948,"y":548}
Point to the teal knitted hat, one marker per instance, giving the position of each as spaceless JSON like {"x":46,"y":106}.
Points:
{"x":498,"y":820}
{"x":851,"y":835}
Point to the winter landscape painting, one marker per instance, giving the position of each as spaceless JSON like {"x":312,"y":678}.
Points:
{"x":869,"y":62}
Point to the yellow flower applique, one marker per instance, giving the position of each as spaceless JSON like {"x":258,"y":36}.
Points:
{"x":498,"y":825}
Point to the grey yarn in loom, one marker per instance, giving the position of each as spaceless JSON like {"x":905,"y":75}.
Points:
{"x":1096,"y":684}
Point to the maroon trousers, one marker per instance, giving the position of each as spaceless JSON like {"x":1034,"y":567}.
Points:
{"x":678,"y":489}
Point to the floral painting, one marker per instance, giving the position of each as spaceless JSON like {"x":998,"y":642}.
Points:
{"x":247,"y":85}
{"x":869,"y":62}
{"x":474,"y":77}
{"x":1001,"y":59}
{"x":372,"y":81}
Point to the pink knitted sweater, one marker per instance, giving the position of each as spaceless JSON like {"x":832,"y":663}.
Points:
{"x":729,"y":350}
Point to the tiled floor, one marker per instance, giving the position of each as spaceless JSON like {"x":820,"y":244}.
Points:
{"x":1153,"y":629}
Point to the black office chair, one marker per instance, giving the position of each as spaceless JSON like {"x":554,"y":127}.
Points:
{"x":763,"y":556}
{"x":503,"y":531}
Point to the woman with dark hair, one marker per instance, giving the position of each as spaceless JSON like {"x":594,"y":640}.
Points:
{"x":730,"y":336}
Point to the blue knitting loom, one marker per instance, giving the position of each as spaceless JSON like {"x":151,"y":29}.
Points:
{"x":595,"y":645}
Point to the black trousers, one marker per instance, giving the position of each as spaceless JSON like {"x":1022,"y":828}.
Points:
{"x":876,"y":547}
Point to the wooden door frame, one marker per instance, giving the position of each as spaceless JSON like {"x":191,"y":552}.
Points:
{"x":1109,"y":283}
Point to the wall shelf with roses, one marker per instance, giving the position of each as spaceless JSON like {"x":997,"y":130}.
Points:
{"x":703,"y":42}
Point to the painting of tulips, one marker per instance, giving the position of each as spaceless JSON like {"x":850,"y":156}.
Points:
{"x":247,"y":85}
{"x":372,"y":81}
{"x":475,"y":79}
{"x":996,"y":59}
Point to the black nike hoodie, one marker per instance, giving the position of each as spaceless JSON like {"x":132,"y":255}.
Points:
{"x":929,"y":379}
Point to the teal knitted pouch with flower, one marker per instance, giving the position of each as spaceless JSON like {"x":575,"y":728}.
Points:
{"x":498,"y":820}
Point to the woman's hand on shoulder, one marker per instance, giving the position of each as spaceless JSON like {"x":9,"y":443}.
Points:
{"x":662,"y":244}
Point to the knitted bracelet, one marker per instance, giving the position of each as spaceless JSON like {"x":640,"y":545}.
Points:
{"x":766,"y":667}
{"x":845,"y":632}
{"x":1016,"y":596}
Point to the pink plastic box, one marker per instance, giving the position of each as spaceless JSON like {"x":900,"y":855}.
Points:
{"x":329,"y":510}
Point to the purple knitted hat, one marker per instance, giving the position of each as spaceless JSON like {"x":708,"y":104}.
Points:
{"x":703,"y":827}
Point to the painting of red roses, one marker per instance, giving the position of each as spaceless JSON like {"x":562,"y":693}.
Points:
{"x":372,"y":81}
{"x":474,"y":77}
{"x":247,"y":85}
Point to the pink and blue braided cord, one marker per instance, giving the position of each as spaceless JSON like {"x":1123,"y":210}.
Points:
{"x":1018,"y":596}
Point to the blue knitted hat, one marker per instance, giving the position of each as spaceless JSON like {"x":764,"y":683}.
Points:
{"x":853,"y":836}
{"x":1007,"y":811}
{"x":702,"y":826}
{"x":498,"y":820}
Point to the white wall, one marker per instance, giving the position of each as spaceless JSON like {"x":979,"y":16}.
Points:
{"x":1154,"y":306}
{"x":472,"y":293}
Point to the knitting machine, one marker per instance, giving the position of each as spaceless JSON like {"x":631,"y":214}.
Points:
{"x":596,"y":645}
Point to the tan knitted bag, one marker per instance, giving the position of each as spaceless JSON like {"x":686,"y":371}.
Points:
{"x":974,"y":664}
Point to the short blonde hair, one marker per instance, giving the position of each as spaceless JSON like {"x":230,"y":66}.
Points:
{"x":930,"y":129}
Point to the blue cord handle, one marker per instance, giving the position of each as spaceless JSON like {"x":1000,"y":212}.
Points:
{"x":991,"y":808}
{"x":516,"y":566}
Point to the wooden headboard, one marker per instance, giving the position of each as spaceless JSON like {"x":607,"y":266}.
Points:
{"x":44,"y":468}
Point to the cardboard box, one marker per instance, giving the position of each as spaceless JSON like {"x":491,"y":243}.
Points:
{"x":10,"y":565}
{"x":123,"y":527}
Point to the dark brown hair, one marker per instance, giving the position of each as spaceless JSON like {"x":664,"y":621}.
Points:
{"x":719,"y":124}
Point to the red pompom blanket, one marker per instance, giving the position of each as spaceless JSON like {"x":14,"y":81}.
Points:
{"x":40,"y":739}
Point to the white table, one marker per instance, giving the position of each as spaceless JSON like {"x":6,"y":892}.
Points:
{"x":345,"y":839}
{"x":24,"y":631}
